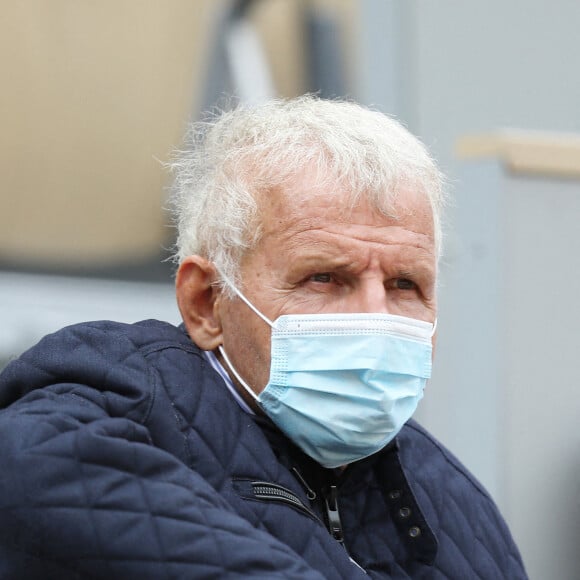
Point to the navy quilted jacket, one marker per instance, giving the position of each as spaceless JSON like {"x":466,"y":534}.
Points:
{"x":122,"y":455}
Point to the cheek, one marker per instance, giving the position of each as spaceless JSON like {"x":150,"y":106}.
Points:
{"x":246,"y":340}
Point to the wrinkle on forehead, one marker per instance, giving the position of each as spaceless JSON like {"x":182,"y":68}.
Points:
{"x":316,"y":187}
{"x":288,"y":215}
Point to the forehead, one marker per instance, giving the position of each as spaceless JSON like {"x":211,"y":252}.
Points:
{"x":308,"y":201}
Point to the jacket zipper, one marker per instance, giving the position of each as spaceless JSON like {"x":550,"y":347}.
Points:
{"x":267,"y":491}
{"x":333,"y":515}
{"x":329,"y":497}
{"x":330,"y":505}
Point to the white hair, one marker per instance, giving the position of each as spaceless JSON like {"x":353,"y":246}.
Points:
{"x":233,"y":158}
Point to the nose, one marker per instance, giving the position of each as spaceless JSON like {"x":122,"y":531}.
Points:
{"x":370,"y":296}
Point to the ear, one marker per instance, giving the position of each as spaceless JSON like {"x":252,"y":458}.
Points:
{"x":197,"y":298}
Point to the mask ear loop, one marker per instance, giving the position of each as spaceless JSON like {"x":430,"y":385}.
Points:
{"x":434,"y":328}
{"x":244,"y":299}
{"x":221,"y":348}
{"x":236,"y":374}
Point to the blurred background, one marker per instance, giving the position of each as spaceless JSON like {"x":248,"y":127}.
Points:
{"x":95,"y":95}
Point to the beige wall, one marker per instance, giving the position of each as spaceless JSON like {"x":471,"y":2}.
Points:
{"x":93,"y":95}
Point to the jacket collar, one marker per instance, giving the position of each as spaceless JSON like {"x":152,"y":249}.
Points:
{"x":404,"y":508}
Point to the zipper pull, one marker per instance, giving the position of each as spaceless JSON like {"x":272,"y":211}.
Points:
{"x":332,"y":515}
{"x":310,"y":493}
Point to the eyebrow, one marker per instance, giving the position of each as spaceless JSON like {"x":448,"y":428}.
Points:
{"x":329,"y":256}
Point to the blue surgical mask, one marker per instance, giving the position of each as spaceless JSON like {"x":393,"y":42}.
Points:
{"x":342,"y":386}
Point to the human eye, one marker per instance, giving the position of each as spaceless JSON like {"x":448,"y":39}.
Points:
{"x":321,"y":277}
{"x":404,"y":284}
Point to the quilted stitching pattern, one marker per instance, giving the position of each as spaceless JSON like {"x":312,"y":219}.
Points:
{"x":459,"y":509}
{"x":112,"y":466}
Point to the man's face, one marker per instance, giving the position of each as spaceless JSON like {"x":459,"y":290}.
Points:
{"x":318,"y":256}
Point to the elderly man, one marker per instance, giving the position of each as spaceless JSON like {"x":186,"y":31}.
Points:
{"x":269,"y":436}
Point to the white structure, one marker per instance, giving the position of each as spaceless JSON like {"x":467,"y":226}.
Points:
{"x":502,"y":396}
{"x":505,"y":395}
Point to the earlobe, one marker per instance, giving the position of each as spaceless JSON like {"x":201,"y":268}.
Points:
{"x":197,"y":298}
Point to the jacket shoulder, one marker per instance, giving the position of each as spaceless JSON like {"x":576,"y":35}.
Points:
{"x":93,"y":451}
{"x":103,"y":360}
{"x":465,"y":518}
{"x":417,"y":443}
